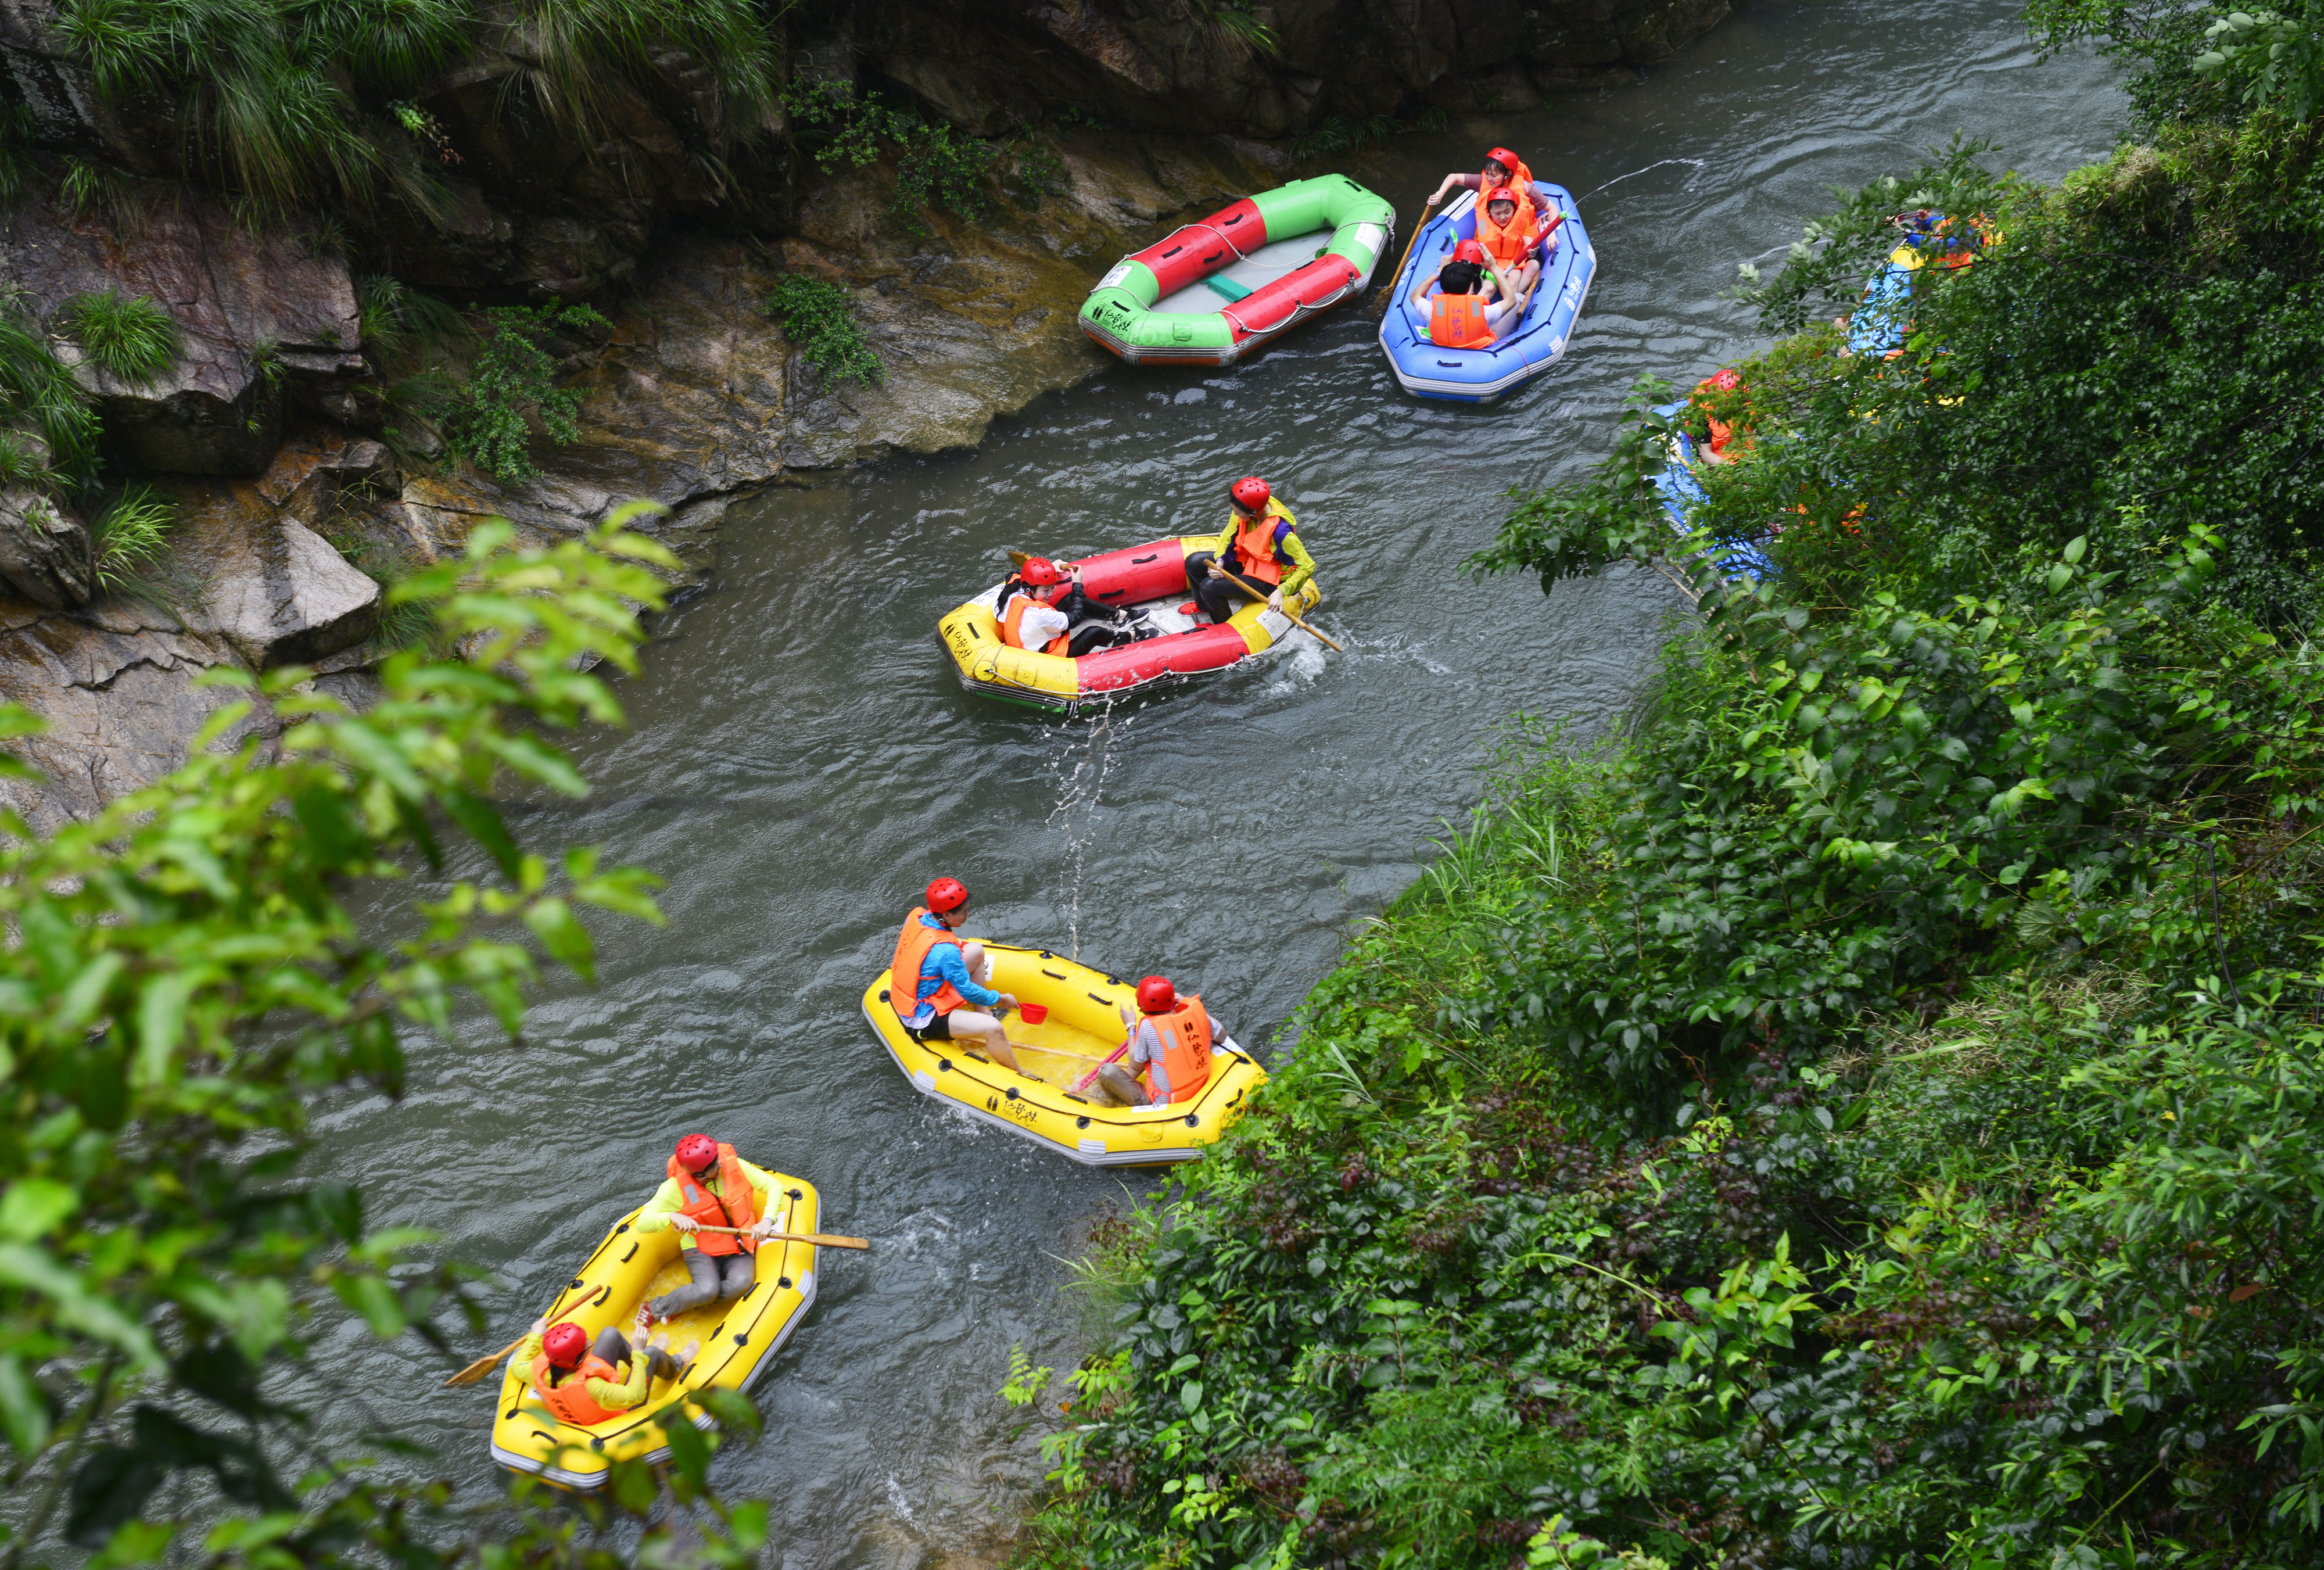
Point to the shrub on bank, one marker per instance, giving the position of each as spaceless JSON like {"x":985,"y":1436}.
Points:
{"x":1879,"y":1134}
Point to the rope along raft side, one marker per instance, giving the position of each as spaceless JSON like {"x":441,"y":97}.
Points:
{"x":1210,"y":293}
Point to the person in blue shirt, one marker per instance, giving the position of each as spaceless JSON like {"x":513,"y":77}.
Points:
{"x":948,"y":977}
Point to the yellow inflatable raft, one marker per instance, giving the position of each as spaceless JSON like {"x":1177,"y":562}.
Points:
{"x":739,"y":1339}
{"x":1150,"y":578}
{"x":1053,"y":1103}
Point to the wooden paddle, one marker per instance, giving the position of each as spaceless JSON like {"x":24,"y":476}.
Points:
{"x":1263,"y":591}
{"x":484,"y":1365}
{"x":819,"y":1239}
{"x":1388,"y":293}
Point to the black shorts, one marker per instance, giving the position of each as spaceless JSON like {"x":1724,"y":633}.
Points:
{"x":936,"y":1030}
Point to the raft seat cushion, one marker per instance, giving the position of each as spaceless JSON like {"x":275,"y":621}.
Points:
{"x":1226,"y":288}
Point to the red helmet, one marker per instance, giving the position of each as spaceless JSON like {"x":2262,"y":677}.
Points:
{"x":696,"y":1151}
{"x":1500,"y":193}
{"x":1040,"y":572}
{"x":566,"y":1342}
{"x":947,"y":894}
{"x":1249,"y":493}
{"x":1155,"y":995}
{"x":1469,"y":251}
{"x":1724,"y":382}
{"x":1507,"y":161}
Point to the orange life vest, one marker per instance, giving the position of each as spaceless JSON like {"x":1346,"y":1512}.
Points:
{"x":1509,"y":244}
{"x":912,"y":948}
{"x":1521,"y":185}
{"x":1457,"y":321}
{"x":571,"y":1400}
{"x":708,"y":1209}
{"x":1185,"y":1036}
{"x":1254,"y":545}
{"x":1012,"y":626}
{"x":1723,"y":434}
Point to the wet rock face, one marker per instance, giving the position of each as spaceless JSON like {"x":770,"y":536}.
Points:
{"x":45,"y":552}
{"x":264,"y":322}
{"x":1161,"y":64}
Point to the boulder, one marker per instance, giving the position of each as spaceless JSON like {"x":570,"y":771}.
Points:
{"x":45,"y":552}
{"x":317,"y":466}
{"x":121,"y":698}
{"x":263,"y":319}
{"x":271,"y":588}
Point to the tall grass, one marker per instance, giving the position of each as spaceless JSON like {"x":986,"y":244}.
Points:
{"x":128,"y":535}
{"x":131,"y":341}
{"x":39,"y":395}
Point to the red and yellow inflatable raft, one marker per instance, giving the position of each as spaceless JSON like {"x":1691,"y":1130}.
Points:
{"x":1148,"y":578}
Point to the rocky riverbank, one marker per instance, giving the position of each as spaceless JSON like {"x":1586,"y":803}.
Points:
{"x":296,"y":487}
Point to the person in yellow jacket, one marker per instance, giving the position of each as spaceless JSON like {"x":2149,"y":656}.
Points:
{"x":709,"y":1186}
{"x":1259,"y":554}
{"x":584,"y":1381}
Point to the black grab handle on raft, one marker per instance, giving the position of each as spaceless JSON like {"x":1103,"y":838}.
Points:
{"x":1142,"y":560}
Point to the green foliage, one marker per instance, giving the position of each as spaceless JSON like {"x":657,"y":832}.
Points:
{"x":2280,"y":58}
{"x":128,"y":534}
{"x":40,"y":398}
{"x":820,"y":317}
{"x":1858,"y":1115}
{"x":294,"y":104}
{"x":188,"y":980}
{"x":1338,"y":137}
{"x":131,"y":340}
{"x":511,"y":384}
{"x":937,"y":168}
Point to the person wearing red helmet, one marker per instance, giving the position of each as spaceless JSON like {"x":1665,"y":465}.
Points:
{"x":1514,"y":241}
{"x":1042,"y":607}
{"x":707,"y":1185}
{"x":947,"y":976}
{"x":1259,"y":554}
{"x":584,"y":1381}
{"x":1169,"y":1047}
{"x":1502,"y":168}
{"x":1472,"y":301}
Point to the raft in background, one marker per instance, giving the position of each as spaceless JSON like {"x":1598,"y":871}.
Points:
{"x":1151,"y":578}
{"x":1481,"y":376}
{"x":1212,"y":291}
{"x":1679,"y":491}
{"x":739,"y":1341}
{"x":1060,"y":1110}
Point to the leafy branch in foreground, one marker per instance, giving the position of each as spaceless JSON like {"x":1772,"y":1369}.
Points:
{"x":188,"y":975}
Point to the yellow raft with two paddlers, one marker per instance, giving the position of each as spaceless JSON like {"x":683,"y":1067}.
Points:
{"x":1055,"y":1102}
{"x":738,"y":1340}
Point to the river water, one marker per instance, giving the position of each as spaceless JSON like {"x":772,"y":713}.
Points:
{"x":802,"y":761}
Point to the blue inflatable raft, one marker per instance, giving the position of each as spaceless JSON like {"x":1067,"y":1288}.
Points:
{"x":1481,"y":376}
{"x":1680,"y":491}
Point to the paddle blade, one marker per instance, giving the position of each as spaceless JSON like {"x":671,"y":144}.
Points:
{"x":1020,"y":558}
{"x":482,"y":1365}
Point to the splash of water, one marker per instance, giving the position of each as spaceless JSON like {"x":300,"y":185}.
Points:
{"x":1081,"y":768}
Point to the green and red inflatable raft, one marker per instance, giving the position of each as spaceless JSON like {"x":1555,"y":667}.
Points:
{"x":1210,"y":293}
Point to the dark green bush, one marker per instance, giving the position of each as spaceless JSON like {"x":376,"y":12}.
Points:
{"x":512,"y":383}
{"x":820,"y":318}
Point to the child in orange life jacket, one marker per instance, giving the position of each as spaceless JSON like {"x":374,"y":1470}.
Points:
{"x":1258,"y":554}
{"x":1723,"y":435}
{"x":1502,"y":168}
{"x":584,"y":1382}
{"x":1042,"y":602}
{"x":708,"y":1185}
{"x":1514,"y":242}
{"x":1169,"y":1045}
{"x":1464,"y":316}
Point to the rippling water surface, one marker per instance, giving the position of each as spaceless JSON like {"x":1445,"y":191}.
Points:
{"x":803,"y":761}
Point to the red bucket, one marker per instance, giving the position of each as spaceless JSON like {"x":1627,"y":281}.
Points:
{"x":1033,"y":1014}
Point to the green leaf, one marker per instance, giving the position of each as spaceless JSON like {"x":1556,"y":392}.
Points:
{"x":690,"y":1448}
{"x":565,"y":939}
{"x":1190,"y":1394}
{"x":374,"y":1297}
{"x":75,"y":1302}
{"x":33,"y":1206}
{"x":24,"y":1409}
